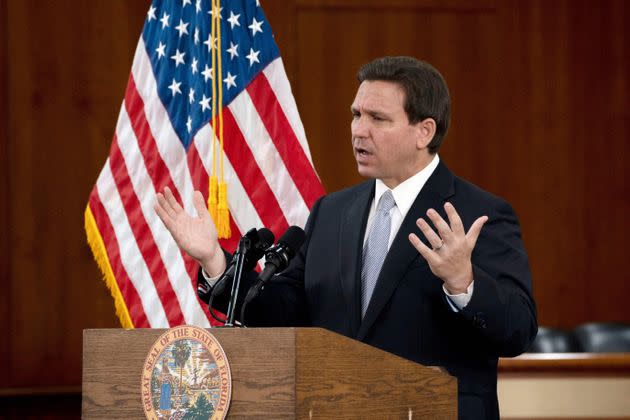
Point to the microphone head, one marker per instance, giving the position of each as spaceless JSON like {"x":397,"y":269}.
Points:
{"x":262,"y":240}
{"x":253,"y":245}
{"x":286,"y":248}
{"x":247,"y":241}
{"x":293,"y":238}
{"x":265,"y":238}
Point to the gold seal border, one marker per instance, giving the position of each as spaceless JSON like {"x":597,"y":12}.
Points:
{"x":187,"y":332}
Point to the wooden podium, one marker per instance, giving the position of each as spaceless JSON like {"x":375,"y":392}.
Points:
{"x":276,"y":373}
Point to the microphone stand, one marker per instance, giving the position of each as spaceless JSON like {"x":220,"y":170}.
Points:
{"x":240,"y":260}
{"x":251,"y":295}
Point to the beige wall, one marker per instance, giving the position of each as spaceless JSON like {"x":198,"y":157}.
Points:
{"x":569,"y":396}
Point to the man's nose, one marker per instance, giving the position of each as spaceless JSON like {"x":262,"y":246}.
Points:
{"x":359,"y":127}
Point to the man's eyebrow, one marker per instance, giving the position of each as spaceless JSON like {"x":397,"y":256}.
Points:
{"x":369,"y":111}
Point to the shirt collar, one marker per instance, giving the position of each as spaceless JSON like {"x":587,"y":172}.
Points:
{"x":407,"y":191}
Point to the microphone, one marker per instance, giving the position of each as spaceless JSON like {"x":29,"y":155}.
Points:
{"x":277,"y":258}
{"x":253,"y":244}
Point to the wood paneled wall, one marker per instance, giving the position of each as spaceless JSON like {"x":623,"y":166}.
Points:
{"x":541,"y":110}
{"x":67,"y":64}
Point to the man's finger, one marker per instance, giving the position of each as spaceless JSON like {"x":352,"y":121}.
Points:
{"x":164,"y":216}
{"x":172,"y":201}
{"x":428,"y":232}
{"x":200,"y":205}
{"x":475,"y":229}
{"x":456,"y":222}
{"x":164,"y":205}
{"x":440,"y":224}
{"x":424,"y":250}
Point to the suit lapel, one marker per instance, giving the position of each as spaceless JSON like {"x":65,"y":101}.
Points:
{"x":438,"y":188}
{"x":351,"y":237}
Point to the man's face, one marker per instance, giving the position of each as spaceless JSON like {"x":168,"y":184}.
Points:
{"x":385,"y":145}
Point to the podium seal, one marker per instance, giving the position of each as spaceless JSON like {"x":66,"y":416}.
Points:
{"x":186,"y":376}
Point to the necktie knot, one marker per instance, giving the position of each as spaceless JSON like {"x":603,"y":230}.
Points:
{"x":386,"y":203}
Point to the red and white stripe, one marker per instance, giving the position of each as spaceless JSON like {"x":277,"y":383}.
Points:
{"x":267,"y":165}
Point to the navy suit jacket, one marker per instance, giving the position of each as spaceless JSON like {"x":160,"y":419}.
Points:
{"x":409,"y":314}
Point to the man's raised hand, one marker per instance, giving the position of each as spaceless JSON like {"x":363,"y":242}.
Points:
{"x":451,"y":247}
{"x":197,"y":236}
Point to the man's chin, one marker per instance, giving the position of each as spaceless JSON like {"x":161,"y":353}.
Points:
{"x":366,"y":171}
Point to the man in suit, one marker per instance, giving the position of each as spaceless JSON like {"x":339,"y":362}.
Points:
{"x":458,"y":296}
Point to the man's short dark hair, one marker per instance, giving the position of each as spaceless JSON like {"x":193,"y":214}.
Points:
{"x":426,"y":93}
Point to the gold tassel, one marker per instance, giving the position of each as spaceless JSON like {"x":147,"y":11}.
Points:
{"x":212,"y":199}
{"x":100,"y":255}
{"x":223,"y":227}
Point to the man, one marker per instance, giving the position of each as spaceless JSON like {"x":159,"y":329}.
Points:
{"x":460,"y":297}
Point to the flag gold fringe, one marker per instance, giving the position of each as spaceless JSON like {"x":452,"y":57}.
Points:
{"x":223,"y":227}
{"x":100,"y":255}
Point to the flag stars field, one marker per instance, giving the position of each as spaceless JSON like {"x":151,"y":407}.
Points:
{"x":196,"y":79}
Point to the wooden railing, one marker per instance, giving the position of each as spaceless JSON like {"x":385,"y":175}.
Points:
{"x":562,"y":363}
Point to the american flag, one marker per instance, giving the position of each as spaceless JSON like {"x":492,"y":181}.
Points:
{"x":164,"y":138}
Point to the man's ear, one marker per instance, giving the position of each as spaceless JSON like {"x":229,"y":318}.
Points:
{"x":425,"y":131}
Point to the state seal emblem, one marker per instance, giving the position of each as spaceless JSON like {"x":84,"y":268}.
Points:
{"x":186,"y":376}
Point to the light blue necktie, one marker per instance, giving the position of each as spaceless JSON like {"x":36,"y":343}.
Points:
{"x":375,"y":248}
